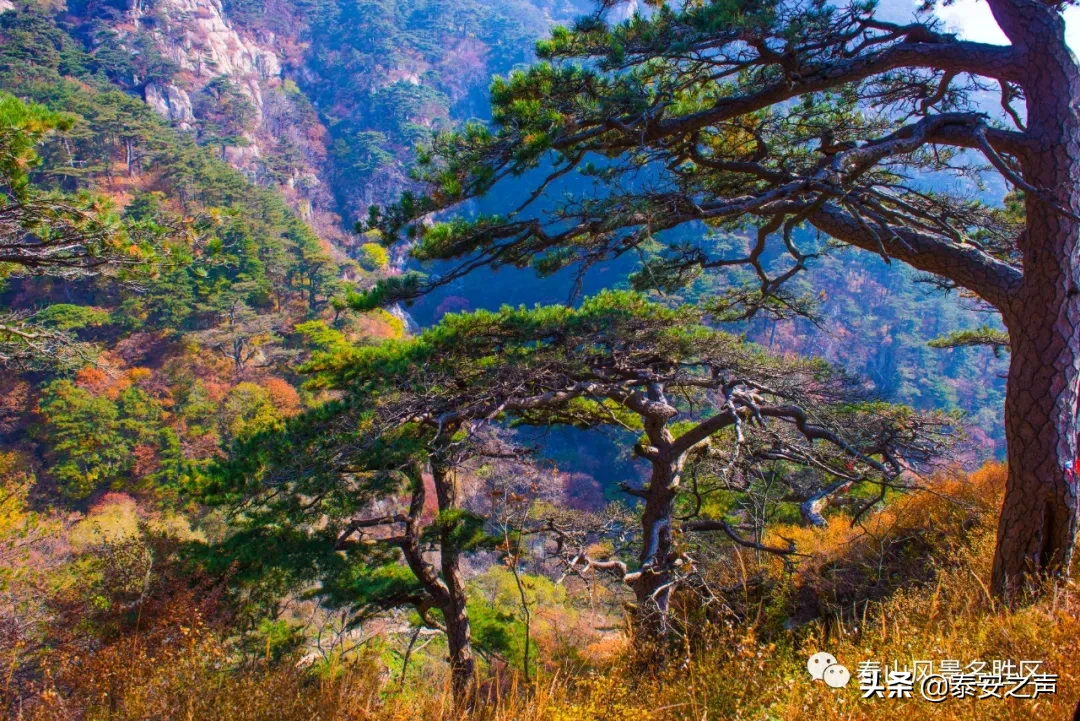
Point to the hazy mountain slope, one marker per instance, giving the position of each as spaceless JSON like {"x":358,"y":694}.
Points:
{"x":324,"y":100}
{"x":192,"y":357}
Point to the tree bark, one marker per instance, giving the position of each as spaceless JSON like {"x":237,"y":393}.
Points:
{"x":651,"y":585}
{"x":1038,"y":525}
{"x":459,"y":641}
{"x":454,"y":605}
{"x":1037,"y":528}
{"x":447,"y":592}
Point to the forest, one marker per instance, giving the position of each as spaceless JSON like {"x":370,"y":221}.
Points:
{"x":537,"y":360}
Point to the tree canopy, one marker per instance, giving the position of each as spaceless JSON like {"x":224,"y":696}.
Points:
{"x":760,"y":118}
{"x":711,"y":136}
{"x":53,"y":233}
{"x":329,"y":480}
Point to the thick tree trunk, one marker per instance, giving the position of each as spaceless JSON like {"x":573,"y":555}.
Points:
{"x":653,"y":583}
{"x":651,"y":587}
{"x":1038,"y":524}
{"x":459,"y":641}
{"x":1037,"y":531}
{"x":454,"y":606}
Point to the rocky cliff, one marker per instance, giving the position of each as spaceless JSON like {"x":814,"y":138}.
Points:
{"x":280,"y":142}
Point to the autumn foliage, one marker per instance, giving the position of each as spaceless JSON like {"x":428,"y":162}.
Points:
{"x":173,"y":658}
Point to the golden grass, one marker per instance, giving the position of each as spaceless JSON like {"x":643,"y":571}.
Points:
{"x":753,"y":671}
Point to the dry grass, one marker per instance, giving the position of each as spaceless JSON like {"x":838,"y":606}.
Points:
{"x":752,"y":670}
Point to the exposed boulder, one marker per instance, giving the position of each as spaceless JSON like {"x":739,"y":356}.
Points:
{"x":170,"y":102}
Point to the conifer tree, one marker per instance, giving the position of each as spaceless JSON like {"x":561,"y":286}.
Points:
{"x":345,"y":483}
{"x":762,"y":117}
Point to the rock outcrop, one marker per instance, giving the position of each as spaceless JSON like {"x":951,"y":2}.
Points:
{"x":204,"y":44}
{"x":196,"y":36}
{"x":171,"y":102}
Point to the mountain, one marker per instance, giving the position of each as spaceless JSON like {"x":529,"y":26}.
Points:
{"x":277,"y":123}
{"x":249,"y":137}
{"x":190,"y":357}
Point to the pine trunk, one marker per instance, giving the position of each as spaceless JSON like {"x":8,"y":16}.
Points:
{"x":652,"y":588}
{"x":454,"y":606}
{"x":459,"y":641}
{"x":1037,"y":531}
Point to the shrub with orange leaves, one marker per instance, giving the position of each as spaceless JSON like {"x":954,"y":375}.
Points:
{"x":852,"y":561}
{"x":284,"y":397}
{"x":93,"y":379}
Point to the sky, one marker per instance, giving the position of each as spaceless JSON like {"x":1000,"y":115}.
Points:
{"x":971,"y":19}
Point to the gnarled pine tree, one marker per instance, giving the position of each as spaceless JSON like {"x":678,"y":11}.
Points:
{"x":338,"y":502}
{"x":417,"y":405}
{"x":624,"y":363}
{"x":767,"y":116}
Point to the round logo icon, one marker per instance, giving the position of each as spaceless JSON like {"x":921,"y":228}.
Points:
{"x":837,"y":676}
{"x":818,"y":663}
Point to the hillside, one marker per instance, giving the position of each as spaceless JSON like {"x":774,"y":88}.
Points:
{"x":241,"y":479}
{"x":325,"y":102}
{"x":749,"y":668}
{"x":212,"y":330}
